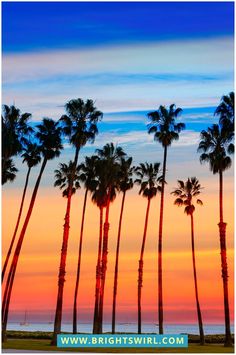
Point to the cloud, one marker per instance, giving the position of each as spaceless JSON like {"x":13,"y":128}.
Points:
{"x":121,"y":78}
{"x":193,"y":57}
{"x":141,"y":139}
{"x":115,"y":98}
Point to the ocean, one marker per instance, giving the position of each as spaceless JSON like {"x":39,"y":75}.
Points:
{"x":123,"y":327}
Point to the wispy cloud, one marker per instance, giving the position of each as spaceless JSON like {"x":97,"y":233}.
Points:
{"x":134,"y":77}
{"x":141,"y":139}
{"x":193,"y":57}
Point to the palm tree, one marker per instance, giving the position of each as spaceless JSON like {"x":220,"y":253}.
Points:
{"x":225,"y":110}
{"x":216,"y":146}
{"x":166,"y":130}
{"x":9,"y":171}
{"x":49,"y":136}
{"x":186,"y":193}
{"x":110,"y":164}
{"x":15,"y":129}
{"x":99,"y":197}
{"x":67,"y":178}
{"x":31,"y":157}
{"x":150,"y":182}
{"x":80,"y":126}
{"x":88,"y":178}
{"x":126,"y":183}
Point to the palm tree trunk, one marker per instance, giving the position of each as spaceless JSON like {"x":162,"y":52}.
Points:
{"x":104,"y":265}
{"x":11,"y":275}
{"x":224,"y":267}
{"x":202,"y":340}
{"x":160,"y":294}
{"x":98,"y":277}
{"x":116,"y":266}
{"x":140,"y":270}
{"x":62,"y":271}
{"x":78,"y":266}
{"x":17,"y":225}
{"x":76,"y":156}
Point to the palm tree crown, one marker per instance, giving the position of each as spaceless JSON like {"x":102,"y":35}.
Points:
{"x":126,"y":174}
{"x":31,"y":155}
{"x":49,"y":136}
{"x":88,"y":173}
{"x":216,"y":146}
{"x":109,"y":166}
{"x":15,"y":128}
{"x":9,"y":171}
{"x":80,"y":121}
{"x":67,"y":176}
{"x":225,"y":110}
{"x":164,"y":126}
{"x":186,"y":192}
{"x":149,"y":179}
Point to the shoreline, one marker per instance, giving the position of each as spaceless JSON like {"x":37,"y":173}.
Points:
{"x":41,"y":335}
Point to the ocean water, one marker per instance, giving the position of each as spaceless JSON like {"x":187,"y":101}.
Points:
{"x":123,"y":327}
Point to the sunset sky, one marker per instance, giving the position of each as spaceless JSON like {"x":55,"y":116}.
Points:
{"x":130,"y":58}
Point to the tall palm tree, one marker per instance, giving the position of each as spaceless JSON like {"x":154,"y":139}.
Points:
{"x":9,"y":171}
{"x":15,"y":129}
{"x":49,"y":137}
{"x":126,"y":183}
{"x":166,"y":130}
{"x":150,"y":182}
{"x":99,"y":197}
{"x":225,"y":110}
{"x":185,"y":194}
{"x":67,"y":179}
{"x":216,"y":146}
{"x":110,"y":164}
{"x":80,"y":126}
{"x":31,"y":157}
{"x":88,"y":178}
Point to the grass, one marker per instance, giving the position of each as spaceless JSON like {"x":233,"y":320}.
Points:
{"x":44,"y":345}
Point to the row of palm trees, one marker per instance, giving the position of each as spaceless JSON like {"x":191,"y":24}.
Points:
{"x":103,"y":175}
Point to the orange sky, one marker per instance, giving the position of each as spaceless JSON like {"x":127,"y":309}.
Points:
{"x":36,"y":278}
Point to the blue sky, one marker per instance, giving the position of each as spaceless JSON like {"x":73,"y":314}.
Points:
{"x":128,"y":57}
{"x":68,"y":25}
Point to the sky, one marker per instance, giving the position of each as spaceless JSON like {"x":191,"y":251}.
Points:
{"x":130,"y":58}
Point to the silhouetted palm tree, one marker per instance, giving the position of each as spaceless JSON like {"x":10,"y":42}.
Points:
{"x":186,"y":193}
{"x":110,"y":164}
{"x":15,"y":129}
{"x":31,"y":157}
{"x":150,"y":182}
{"x":88,"y":178}
{"x":216,"y":146}
{"x":67,"y":178}
{"x":99,"y":197}
{"x":80,"y":126}
{"x":125,"y":184}
{"x":225,"y":110}
{"x":49,"y":136}
{"x":9,"y":171}
{"x":166,"y":130}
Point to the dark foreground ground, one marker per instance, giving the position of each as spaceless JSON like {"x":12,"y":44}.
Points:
{"x":40,"y":342}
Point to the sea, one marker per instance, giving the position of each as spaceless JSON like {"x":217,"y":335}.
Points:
{"x":122,"y":328}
